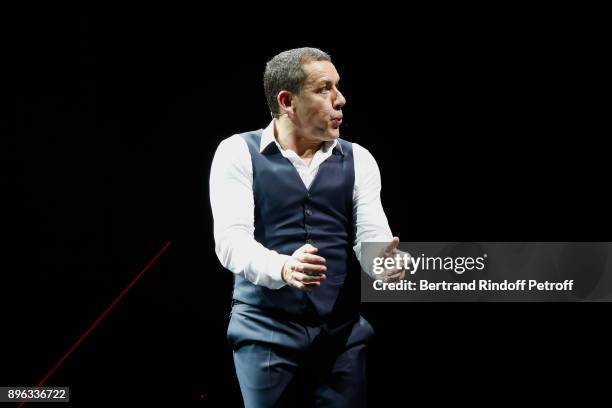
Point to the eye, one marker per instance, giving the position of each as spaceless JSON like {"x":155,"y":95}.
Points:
{"x":325,"y":88}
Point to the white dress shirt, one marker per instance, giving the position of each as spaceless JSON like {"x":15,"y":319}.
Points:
{"x":232,"y":202}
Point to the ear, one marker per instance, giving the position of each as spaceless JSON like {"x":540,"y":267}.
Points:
{"x":285,"y":103}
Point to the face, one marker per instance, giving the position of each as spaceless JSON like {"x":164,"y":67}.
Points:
{"x":318,"y":107}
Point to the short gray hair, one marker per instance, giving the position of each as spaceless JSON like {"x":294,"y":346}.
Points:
{"x":284,"y":72}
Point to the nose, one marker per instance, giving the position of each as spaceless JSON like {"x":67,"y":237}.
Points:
{"x":340,"y":100}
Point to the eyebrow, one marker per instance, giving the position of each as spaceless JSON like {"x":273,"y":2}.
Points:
{"x":322,"y":81}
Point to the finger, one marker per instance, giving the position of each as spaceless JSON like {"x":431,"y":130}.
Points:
{"x":312,"y":285}
{"x":391,"y":246}
{"x":313,"y":269}
{"x":310,"y":249}
{"x":309,"y":278}
{"x":304,"y":278}
{"x":393,"y":271}
{"x":306,"y":287}
{"x":307,"y":268}
{"x":299,"y":285}
{"x":395,"y":275}
{"x":309,"y":258}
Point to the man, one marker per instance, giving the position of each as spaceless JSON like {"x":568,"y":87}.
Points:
{"x":292,"y":204}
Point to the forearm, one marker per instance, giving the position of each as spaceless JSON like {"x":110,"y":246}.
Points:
{"x":240,"y":253}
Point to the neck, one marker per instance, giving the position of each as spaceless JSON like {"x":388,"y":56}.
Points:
{"x":289,"y":138}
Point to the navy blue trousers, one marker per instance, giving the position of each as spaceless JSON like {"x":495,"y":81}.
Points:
{"x":282,"y":362}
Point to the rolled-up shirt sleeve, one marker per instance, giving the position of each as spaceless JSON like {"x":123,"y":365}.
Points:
{"x":232,"y":203}
{"x":371,"y":224}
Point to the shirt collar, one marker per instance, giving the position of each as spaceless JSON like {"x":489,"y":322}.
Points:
{"x":267,"y":138}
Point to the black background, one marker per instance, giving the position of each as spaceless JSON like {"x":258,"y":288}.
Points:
{"x":480,"y":118}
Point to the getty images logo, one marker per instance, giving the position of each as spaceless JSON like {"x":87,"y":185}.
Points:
{"x":403,"y":260}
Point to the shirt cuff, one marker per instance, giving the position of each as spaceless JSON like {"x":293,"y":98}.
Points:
{"x":275,"y":269}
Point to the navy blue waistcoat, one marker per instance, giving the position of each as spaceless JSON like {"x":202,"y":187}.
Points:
{"x":288,"y":215}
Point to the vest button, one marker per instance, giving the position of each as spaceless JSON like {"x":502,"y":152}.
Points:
{"x":308,"y":211}
{"x":310,"y":241}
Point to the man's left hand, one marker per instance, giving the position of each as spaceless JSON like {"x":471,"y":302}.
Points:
{"x":393,"y":274}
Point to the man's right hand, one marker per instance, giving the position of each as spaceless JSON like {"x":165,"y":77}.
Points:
{"x":304,"y":270}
